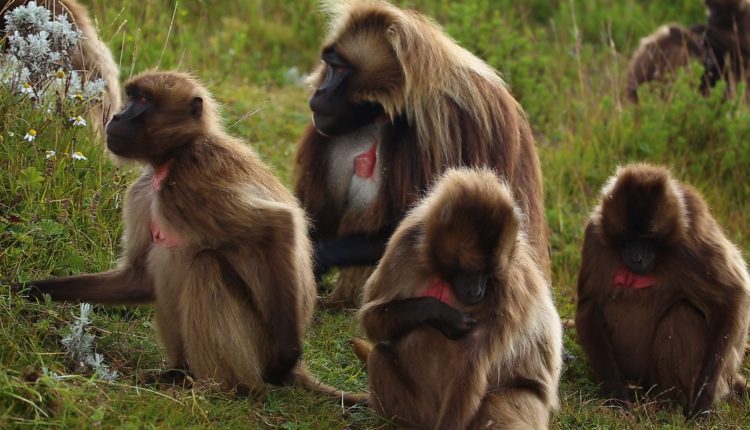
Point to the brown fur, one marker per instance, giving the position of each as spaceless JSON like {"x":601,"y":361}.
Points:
{"x":687,"y":333}
{"x":236,"y":295}
{"x":445,"y":107}
{"x":721,"y":45}
{"x":92,"y":57}
{"x":504,"y":372}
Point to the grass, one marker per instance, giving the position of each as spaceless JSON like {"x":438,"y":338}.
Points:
{"x":565,"y":62}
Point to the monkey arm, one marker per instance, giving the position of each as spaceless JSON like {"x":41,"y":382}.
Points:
{"x":594,"y":340}
{"x":724,"y":330}
{"x":128,"y":284}
{"x":350,"y":250}
{"x":392,"y":320}
{"x":279,"y":267}
{"x":463,"y":399}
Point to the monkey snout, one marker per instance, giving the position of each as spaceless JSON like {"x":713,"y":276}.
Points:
{"x":470,"y":288}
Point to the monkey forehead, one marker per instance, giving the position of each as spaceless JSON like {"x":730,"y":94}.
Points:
{"x":157,"y":83}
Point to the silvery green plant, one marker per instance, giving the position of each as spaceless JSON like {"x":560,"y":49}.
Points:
{"x":79,"y":344}
{"x":37,"y":61}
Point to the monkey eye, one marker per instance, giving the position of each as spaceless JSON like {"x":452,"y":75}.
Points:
{"x":142,"y":100}
{"x":335,"y":61}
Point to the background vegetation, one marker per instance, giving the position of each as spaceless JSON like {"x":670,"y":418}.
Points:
{"x":565,"y":62}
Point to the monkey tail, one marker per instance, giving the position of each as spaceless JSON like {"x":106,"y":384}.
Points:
{"x":304,"y":378}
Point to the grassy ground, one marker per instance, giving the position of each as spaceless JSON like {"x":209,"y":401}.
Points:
{"x":565,"y":62}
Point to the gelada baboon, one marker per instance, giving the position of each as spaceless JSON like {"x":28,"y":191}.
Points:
{"x":663,"y":295}
{"x":211,"y":237}
{"x":91,"y":58}
{"x":396,"y":102}
{"x":466,"y":332}
{"x":721,"y":45}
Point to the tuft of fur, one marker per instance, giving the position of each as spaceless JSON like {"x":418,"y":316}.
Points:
{"x":504,"y":373}
{"x":642,"y":199}
{"x":686,"y":334}
{"x":445,"y":108}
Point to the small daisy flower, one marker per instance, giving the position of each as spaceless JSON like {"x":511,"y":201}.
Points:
{"x":30,"y":135}
{"x":60,"y":74}
{"x":78,"y":156}
{"x":77,"y":96}
{"x":50,"y":154}
{"x":27,"y":89}
{"x":78,"y":121}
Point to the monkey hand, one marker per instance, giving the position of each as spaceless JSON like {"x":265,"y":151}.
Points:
{"x":279,"y":368}
{"x":27,"y":291}
{"x":453,"y":323}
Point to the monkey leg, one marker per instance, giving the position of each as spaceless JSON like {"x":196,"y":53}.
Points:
{"x":678,"y":350}
{"x":168,"y":322}
{"x":512,"y":409}
{"x":393,"y":392}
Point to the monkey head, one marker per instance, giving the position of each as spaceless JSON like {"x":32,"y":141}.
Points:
{"x":642,"y":215}
{"x":164,"y":112}
{"x":359,"y":78}
{"x":470,"y":232}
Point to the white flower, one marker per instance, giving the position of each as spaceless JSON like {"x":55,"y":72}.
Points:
{"x":11,"y":134}
{"x":78,"y":121}
{"x":78,"y":156}
{"x":50,"y":154}
{"x":26,"y":88}
{"x":30,"y":135}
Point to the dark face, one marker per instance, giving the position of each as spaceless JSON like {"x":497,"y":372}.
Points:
{"x":469,"y":288}
{"x":639,"y":255}
{"x":138,"y":131}
{"x":333,"y":113}
{"x":126,"y":130}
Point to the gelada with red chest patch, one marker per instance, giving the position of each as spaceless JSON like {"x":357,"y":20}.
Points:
{"x":461,"y":315}
{"x":663,"y":295}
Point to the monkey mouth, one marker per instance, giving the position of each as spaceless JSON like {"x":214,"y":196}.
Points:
{"x":320,"y":132}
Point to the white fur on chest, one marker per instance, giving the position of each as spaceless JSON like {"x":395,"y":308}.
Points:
{"x":347,"y":189}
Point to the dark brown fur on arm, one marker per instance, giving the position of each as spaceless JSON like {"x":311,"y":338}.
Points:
{"x":590,"y":325}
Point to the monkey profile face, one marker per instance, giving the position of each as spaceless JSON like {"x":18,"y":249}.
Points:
{"x":134,"y":132}
{"x":333,"y":113}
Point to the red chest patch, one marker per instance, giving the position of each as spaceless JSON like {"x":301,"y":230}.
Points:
{"x":364,"y":163}
{"x":626,"y":279}
{"x":440,"y":290}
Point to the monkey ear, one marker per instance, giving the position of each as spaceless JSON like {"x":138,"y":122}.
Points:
{"x":196,"y":107}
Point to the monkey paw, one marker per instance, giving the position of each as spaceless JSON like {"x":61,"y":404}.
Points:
{"x":455,"y":325}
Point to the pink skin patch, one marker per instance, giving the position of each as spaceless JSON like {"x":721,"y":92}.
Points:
{"x":161,"y":238}
{"x":626,"y":279}
{"x":160,"y":174}
{"x":158,"y":235}
{"x":440,"y":290}
{"x":364,"y":163}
